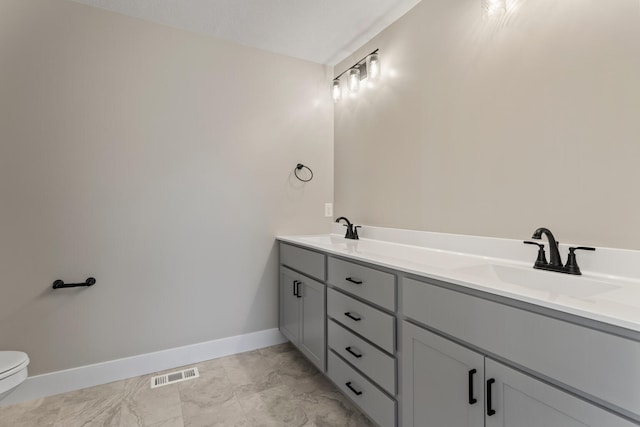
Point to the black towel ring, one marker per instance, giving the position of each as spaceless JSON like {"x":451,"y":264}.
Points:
{"x":300,"y":166}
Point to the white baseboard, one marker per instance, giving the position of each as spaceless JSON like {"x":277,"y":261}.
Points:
{"x":101,"y":373}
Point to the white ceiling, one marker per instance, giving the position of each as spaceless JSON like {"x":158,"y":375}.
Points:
{"x":322,"y":31}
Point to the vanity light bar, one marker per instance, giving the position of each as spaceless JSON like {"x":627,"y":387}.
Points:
{"x":367,"y":67}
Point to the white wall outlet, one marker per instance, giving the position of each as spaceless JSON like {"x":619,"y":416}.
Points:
{"x":328,"y":210}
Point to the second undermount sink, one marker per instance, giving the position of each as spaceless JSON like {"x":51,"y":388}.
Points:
{"x":554,"y":283}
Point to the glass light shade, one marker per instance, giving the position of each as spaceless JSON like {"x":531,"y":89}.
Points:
{"x":373,"y":67}
{"x":493,"y":8}
{"x":336,"y":90}
{"x":354,"y":80}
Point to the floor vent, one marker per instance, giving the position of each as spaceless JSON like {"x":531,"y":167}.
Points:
{"x":174,"y":377}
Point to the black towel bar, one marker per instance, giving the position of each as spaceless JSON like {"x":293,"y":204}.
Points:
{"x":60,"y":284}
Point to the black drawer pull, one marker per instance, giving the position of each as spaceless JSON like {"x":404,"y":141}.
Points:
{"x":472,"y":399}
{"x":357,"y":282}
{"x":352,"y":317}
{"x":298,"y":293}
{"x":357,"y":393}
{"x":356,"y":355}
{"x":490,"y":410}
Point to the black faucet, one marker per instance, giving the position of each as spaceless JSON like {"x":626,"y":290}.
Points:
{"x":352,"y":231}
{"x":555,"y":264}
{"x":556,"y":261}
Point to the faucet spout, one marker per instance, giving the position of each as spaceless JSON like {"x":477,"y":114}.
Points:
{"x":345,"y":219}
{"x":555,"y":260}
{"x":352,"y":232}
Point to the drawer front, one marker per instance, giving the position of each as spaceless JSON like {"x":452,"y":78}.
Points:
{"x":602,"y":365}
{"x":375,"y":364}
{"x":373,"y":324}
{"x":305,"y":261}
{"x":367,"y":283}
{"x":377,"y":405}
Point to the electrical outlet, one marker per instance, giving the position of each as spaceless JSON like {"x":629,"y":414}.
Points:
{"x":328,"y":210}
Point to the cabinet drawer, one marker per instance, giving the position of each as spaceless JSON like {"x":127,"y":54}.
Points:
{"x":377,"y":405}
{"x":303,"y":260}
{"x":373,"y":324}
{"x":602,"y":365}
{"x":367,"y":283}
{"x":375,"y":364}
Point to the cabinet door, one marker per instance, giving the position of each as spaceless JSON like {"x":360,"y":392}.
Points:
{"x":522,"y":401}
{"x":442,"y":381}
{"x":289,"y":305}
{"x":312,"y":335}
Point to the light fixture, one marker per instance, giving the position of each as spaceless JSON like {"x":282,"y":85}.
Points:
{"x":493,"y":8}
{"x":368,"y":68}
{"x":336,"y":90}
{"x":373,"y":67}
{"x":354,"y":80}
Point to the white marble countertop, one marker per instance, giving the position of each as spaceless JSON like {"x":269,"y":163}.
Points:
{"x":505,"y":269}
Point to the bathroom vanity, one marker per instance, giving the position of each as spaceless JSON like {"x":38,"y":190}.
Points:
{"x":423,"y":329}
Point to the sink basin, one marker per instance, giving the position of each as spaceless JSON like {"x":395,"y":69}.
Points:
{"x":545,"y":281}
{"x":326,"y":239}
{"x":408,"y":255}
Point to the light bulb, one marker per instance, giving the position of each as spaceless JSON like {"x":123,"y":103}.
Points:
{"x":373,"y":67}
{"x":354,"y":80}
{"x":336,"y":90}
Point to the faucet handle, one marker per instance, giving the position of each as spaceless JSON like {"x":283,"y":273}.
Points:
{"x":581,"y":248}
{"x":572,"y":264}
{"x":355,"y":231}
{"x":542,"y":256}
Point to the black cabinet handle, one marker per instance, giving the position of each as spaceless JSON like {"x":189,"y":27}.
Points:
{"x":472,"y":400}
{"x":357,"y":282}
{"x":352,"y":317}
{"x":490,"y":410}
{"x":296,"y":288}
{"x":356,"y":355}
{"x":357,"y":393}
{"x":298,"y":293}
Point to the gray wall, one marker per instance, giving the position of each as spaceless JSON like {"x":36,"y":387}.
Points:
{"x":156,"y":160}
{"x":496,"y":127}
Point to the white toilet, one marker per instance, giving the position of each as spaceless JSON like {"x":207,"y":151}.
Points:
{"x":13,"y":370}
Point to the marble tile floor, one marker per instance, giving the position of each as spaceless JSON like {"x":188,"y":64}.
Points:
{"x":273,"y":386}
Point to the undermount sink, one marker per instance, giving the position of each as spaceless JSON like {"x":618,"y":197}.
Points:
{"x":387,"y":251}
{"x":325,"y":239}
{"x":554,"y":283}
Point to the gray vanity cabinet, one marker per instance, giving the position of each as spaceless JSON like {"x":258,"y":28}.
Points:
{"x":442,"y":381}
{"x":466,"y":359}
{"x":302,"y":314}
{"x":303,"y":301}
{"x":520,"y":400}
{"x":446,"y":384}
{"x":289,"y":305}
{"x":312,"y":322}
{"x":361,"y":319}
